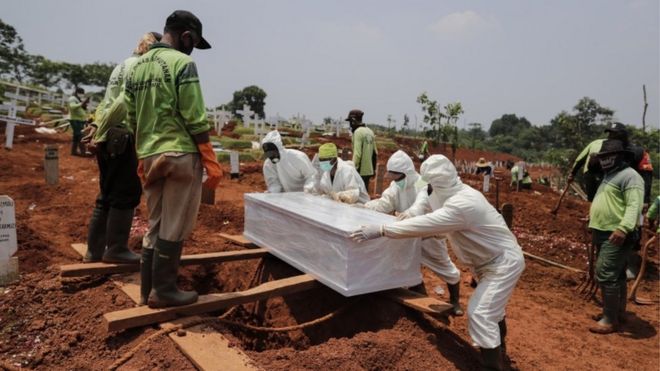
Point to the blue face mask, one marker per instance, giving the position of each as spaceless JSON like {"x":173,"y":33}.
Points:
{"x":325,"y":166}
{"x":401,"y":183}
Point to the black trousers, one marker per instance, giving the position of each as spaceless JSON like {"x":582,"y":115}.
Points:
{"x":366,"y":179}
{"x":119,"y":184}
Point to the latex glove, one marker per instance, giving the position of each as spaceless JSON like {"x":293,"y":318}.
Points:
{"x":347,"y":197}
{"x":211,"y":164}
{"x":402,"y":216}
{"x":617,"y":237}
{"x":89,"y":132}
{"x":140,"y":171}
{"x":367,"y":232}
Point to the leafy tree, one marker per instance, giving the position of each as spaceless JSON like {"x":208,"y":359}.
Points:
{"x":584,"y":124}
{"x":13,"y":57}
{"x":251,"y":95}
{"x":508,"y":124}
{"x":432,"y":116}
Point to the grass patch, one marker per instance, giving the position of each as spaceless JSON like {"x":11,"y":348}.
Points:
{"x":240,"y":130}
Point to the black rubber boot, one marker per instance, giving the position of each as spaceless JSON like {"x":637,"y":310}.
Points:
{"x":146,"y":268}
{"x":74,"y":148}
{"x":454,"y":298}
{"x":96,"y":235}
{"x":623,"y":300}
{"x":118,"y":231}
{"x":502,"y":325}
{"x":611,"y":303}
{"x":164,"y":292}
{"x":491,"y":359}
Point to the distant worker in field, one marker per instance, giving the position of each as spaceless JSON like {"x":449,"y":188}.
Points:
{"x":485,"y":168}
{"x":338,"y":179}
{"x":406,"y":187}
{"x":526,"y":181}
{"x":285,"y":170}
{"x":77,"y":118}
{"x":364,"y":147}
{"x":481,"y":240}
{"x":167,"y":113}
{"x":119,"y":184}
{"x":613,"y":220}
{"x":424,"y":152}
{"x":518,"y":171}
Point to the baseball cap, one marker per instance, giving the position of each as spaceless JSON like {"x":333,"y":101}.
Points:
{"x":185,"y":20}
{"x":354,"y":113}
{"x":616,"y":127}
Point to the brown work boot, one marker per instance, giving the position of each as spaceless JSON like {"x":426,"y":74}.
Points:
{"x":611,"y":302}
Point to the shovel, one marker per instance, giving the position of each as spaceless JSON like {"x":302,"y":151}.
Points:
{"x":563,"y":193}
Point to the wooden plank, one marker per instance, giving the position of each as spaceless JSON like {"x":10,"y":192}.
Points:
{"x":209,"y":350}
{"x":238,"y":239}
{"x":83,"y":269}
{"x":142,"y":316}
{"x":417,"y":301}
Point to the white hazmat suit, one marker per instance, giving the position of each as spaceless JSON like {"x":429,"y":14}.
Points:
{"x":479,"y":237}
{"x":434,"y":250}
{"x":292,"y":173}
{"x":347,"y":185}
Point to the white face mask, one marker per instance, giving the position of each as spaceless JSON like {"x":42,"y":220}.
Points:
{"x":401,"y":183}
{"x":325,"y":166}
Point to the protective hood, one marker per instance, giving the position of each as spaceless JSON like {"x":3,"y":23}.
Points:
{"x":400,"y":162}
{"x":275,"y":138}
{"x":438,"y":171}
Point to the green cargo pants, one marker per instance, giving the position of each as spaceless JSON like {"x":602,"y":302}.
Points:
{"x":612,"y":260}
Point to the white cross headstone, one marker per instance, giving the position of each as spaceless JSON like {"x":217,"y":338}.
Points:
{"x":8,"y":244}
{"x":246,"y":113}
{"x":219,"y":119}
{"x":234,"y":164}
{"x":11,"y":119}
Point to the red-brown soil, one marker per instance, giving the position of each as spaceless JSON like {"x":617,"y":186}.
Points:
{"x":50,"y":324}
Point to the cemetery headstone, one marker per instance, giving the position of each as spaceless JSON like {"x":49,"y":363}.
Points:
{"x":234,"y":165}
{"x":8,"y":243}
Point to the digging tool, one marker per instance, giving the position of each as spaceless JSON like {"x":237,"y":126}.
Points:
{"x":563,"y":193}
{"x":633,"y":291}
{"x":589,"y":287}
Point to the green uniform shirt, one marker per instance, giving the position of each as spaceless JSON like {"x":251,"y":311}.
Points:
{"x":652,"y":214}
{"x":618,"y":201}
{"x":113,"y":91}
{"x":76,"y":111}
{"x":514,"y":174}
{"x":164,"y":102}
{"x":582,"y":160}
{"x":364,"y":148}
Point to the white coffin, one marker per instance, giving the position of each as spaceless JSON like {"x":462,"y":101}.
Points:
{"x":312,"y":234}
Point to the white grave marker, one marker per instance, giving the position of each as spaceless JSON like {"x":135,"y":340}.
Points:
{"x":8,"y":244}
{"x":11,"y":119}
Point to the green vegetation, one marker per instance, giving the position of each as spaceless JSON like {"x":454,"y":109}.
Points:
{"x":240,"y":130}
{"x":242,"y":156}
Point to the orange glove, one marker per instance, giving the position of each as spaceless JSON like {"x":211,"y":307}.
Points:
{"x":140,"y":171}
{"x":210,"y":163}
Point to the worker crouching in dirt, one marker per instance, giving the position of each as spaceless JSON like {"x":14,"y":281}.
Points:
{"x":285,"y":170}
{"x":481,"y":240}
{"x":167,"y":112}
{"x":337,"y":178}
{"x":613,"y":219}
{"x":119,"y":184}
{"x":400,"y":197}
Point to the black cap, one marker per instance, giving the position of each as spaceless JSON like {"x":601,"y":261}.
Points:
{"x":612,"y":146}
{"x":185,"y":20}
{"x":354,"y":113}
{"x":616,"y":127}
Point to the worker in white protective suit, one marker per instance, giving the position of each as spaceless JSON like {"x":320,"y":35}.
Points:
{"x":339,"y":179}
{"x":405,"y":188}
{"x":480,"y":239}
{"x":285,"y":170}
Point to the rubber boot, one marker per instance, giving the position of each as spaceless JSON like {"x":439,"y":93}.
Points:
{"x":611,"y":303}
{"x":74,"y":147}
{"x":164,"y":292}
{"x":623,"y":301}
{"x":491,"y":359}
{"x":118,"y":231}
{"x":454,"y":298}
{"x":502,"y":325}
{"x":96,"y":235}
{"x":83,"y":149}
{"x":146,"y":267}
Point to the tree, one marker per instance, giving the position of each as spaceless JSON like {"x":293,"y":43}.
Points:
{"x":251,"y":95}
{"x":476,"y":133}
{"x":13,"y":57}
{"x":508,"y":124}
{"x":432,"y":116}
{"x":584,"y":123}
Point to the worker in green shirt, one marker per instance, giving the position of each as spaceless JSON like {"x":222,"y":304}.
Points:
{"x":167,"y":113}
{"x":613,"y":219}
{"x":119,"y":185}
{"x":424,"y":151}
{"x":77,"y":117}
{"x":364,"y":147}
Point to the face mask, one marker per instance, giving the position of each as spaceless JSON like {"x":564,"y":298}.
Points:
{"x":608,"y":162}
{"x":401,"y":183}
{"x":275,"y":160}
{"x":325,"y":166}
